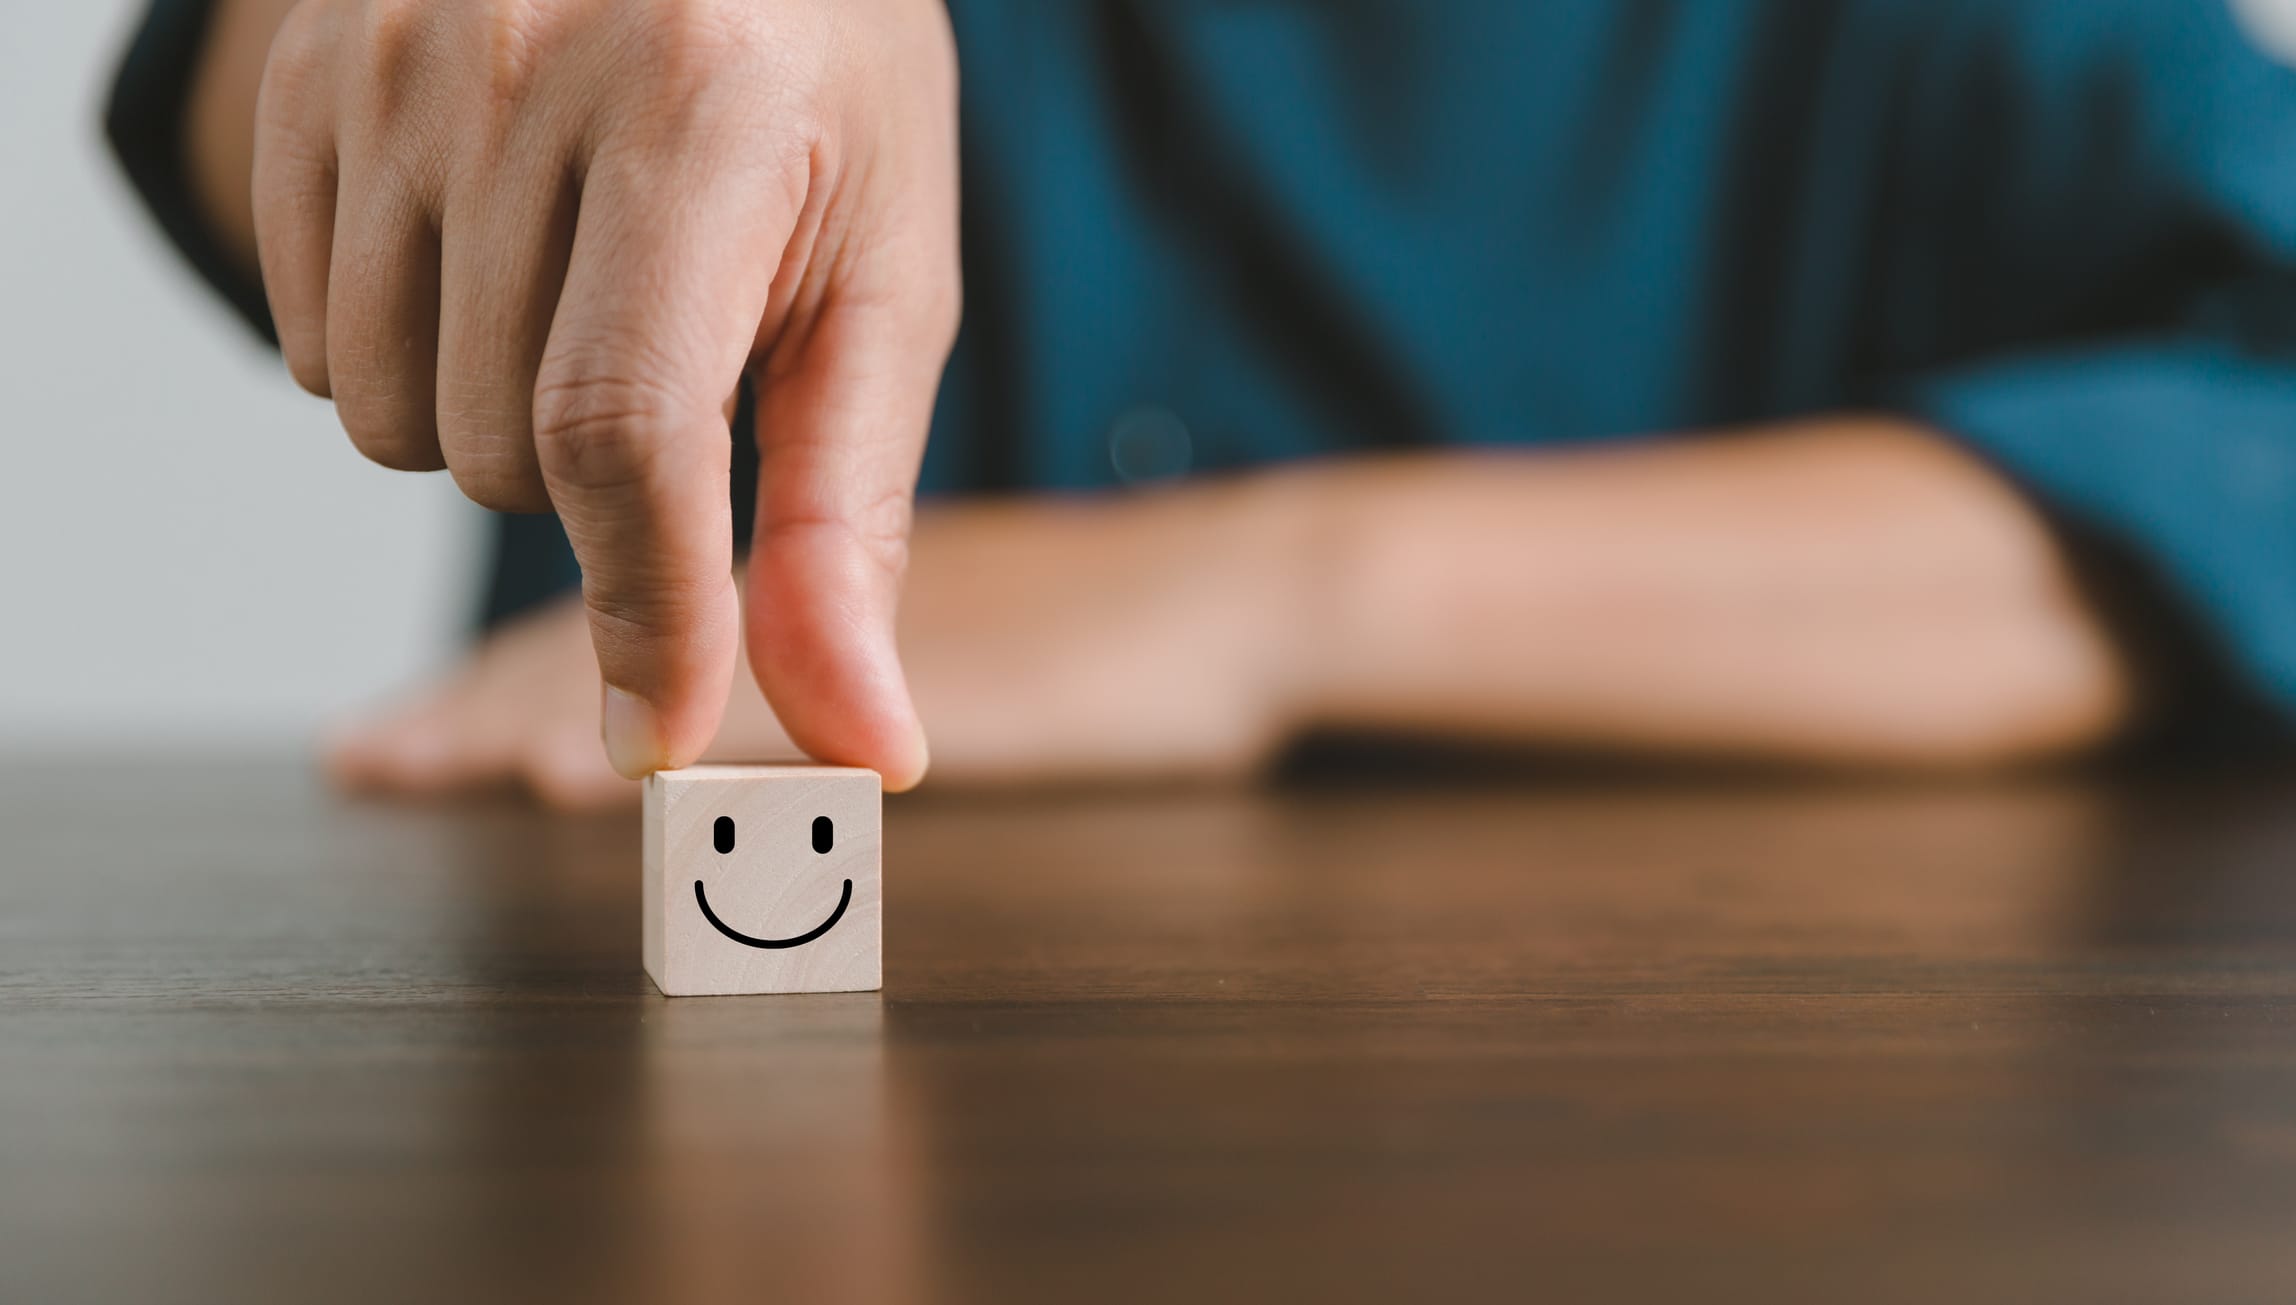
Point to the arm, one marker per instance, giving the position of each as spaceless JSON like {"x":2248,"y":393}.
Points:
{"x":1848,"y":591}
{"x":1842,"y":591}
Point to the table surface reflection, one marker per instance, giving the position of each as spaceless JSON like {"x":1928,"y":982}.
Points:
{"x":1765,"y":1040}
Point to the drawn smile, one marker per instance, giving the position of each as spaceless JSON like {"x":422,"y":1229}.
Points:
{"x":844,"y":900}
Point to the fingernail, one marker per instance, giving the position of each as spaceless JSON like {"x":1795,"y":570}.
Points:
{"x":633,"y":735}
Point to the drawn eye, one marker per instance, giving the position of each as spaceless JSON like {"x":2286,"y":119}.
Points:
{"x":722,"y":834}
{"x":824,"y":834}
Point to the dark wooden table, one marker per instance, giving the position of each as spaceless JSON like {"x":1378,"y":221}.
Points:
{"x":1525,"y":1039}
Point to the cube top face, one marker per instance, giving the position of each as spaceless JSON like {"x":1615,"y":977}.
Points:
{"x":764,"y":879}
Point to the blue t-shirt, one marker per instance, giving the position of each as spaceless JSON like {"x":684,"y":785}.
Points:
{"x":1206,"y":235}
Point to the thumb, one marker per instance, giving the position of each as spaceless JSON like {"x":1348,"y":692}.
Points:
{"x":841,"y":426}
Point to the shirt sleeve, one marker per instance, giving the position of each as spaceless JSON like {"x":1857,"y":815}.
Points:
{"x":144,"y":122}
{"x":2168,"y":438}
{"x":2176,"y":459}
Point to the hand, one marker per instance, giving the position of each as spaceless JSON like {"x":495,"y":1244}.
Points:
{"x":539,"y":244}
{"x":1109,"y":639}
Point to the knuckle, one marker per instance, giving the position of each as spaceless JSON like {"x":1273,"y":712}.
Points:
{"x":387,"y":444}
{"x":400,"y":43}
{"x":882,"y":525}
{"x":720,"y":68}
{"x":308,"y":367}
{"x":600,"y":432}
{"x":512,"y":34}
{"x":888,"y":552}
{"x":877,"y":528}
{"x":644,"y":618}
{"x":500,"y":488}
{"x":690,"y":37}
{"x":383,"y":428}
{"x":393,"y":29}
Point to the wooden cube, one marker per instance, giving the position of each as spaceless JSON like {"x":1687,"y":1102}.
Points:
{"x":764,"y":879}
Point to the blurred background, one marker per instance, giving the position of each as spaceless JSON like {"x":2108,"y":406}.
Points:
{"x":154,"y":443}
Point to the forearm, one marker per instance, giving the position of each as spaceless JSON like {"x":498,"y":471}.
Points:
{"x":219,"y":128}
{"x":1856,"y":591}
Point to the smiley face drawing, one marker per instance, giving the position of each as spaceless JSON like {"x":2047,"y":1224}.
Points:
{"x":725,"y":834}
{"x":763,"y":879}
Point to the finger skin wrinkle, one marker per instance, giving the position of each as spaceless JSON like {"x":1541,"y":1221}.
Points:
{"x":500,"y":476}
{"x":662,"y":623}
{"x":602,"y":434}
{"x":648,"y":609}
{"x":879,"y":528}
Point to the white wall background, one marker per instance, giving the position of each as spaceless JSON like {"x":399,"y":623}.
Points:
{"x":191,"y":554}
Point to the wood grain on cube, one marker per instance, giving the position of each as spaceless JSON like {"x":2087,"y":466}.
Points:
{"x":763,"y":879}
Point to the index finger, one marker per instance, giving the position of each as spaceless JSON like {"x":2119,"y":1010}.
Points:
{"x":666,"y":284}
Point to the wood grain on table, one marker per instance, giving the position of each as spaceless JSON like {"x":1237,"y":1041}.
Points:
{"x":1515,"y":1039}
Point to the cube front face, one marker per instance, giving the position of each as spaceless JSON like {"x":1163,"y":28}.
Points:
{"x":764,"y":879}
